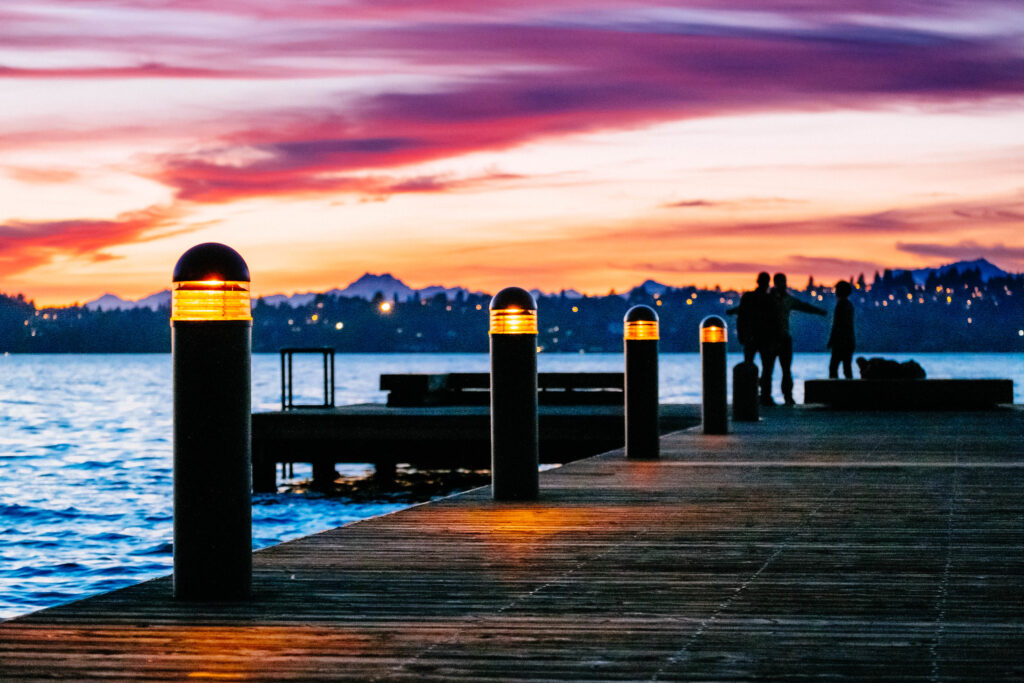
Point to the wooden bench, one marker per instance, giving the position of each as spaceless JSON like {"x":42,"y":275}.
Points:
{"x":909,"y":394}
{"x":474,"y":389}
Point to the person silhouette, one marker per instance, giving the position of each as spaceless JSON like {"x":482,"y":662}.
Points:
{"x":786,"y":302}
{"x":842,"y":340}
{"x":758,"y":330}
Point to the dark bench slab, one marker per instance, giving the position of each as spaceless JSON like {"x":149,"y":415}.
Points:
{"x":473,"y":389}
{"x":909,"y":394}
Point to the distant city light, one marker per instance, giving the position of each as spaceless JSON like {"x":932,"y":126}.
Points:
{"x":314,"y":317}
{"x":338,"y":326}
{"x":1020,"y":333}
{"x":575,"y":309}
{"x":385,"y":307}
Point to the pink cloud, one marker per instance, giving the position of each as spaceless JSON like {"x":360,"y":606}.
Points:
{"x":25,"y":245}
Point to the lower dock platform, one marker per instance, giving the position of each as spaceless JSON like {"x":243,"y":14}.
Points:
{"x":433,"y":437}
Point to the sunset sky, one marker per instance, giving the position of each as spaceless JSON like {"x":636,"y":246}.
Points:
{"x":588,"y":144}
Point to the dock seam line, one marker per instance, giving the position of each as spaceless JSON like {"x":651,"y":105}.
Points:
{"x":682,"y":654}
{"x":476,"y":620}
{"x":943,"y":590}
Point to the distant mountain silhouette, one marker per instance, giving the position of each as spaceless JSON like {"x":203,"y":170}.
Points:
{"x":569,"y":293}
{"x":652,"y":287}
{"x":112,"y":302}
{"x":369,"y":284}
{"x":988,"y":270}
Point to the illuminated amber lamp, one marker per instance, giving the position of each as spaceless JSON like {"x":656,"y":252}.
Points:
{"x":513,"y":311}
{"x":713,"y":330}
{"x":210,"y":283}
{"x":640,"y":323}
{"x":514,"y":436}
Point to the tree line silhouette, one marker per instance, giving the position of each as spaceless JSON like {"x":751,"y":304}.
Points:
{"x":952,"y":312}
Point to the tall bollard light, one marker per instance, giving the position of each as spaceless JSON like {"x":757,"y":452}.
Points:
{"x":514,"y":439}
{"x":211,"y":325}
{"x":640,"y":333}
{"x":713,"y":336}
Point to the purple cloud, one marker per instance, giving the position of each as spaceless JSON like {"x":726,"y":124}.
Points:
{"x":965,"y":250}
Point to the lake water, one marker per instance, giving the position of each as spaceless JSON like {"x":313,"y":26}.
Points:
{"x":85,"y":454}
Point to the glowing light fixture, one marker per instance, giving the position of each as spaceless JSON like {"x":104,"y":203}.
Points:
{"x":513,"y":311}
{"x":641,"y":323}
{"x":210,"y":300}
{"x":211,"y":285}
{"x":713,"y":330}
{"x":385,"y":307}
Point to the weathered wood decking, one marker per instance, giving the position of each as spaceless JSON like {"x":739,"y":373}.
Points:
{"x":814,"y":543}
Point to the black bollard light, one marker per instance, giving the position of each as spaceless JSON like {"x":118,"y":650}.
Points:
{"x":713,"y":336}
{"x":514,"y":439}
{"x":211,"y":325}
{"x":744,"y":392}
{"x":640,"y":333}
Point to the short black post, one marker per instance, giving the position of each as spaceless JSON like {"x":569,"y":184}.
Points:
{"x":514,"y":439}
{"x":713,"y":386}
{"x":640,"y":341}
{"x":744,"y":392}
{"x":211,"y":326}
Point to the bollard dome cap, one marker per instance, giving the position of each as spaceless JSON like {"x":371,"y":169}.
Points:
{"x":513,"y":297}
{"x":211,"y":261}
{"x":640,"y":313}
{"x":712,"y":321}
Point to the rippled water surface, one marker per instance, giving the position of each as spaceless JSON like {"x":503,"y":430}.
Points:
{"x":85,"y":454}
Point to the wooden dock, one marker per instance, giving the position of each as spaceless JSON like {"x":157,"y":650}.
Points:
{"x":814,"y":543}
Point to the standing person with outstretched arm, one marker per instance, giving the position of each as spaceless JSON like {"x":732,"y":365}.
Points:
{"x":842,"y":339}
{"x":787,"y":302}
{"x":757,"y":326}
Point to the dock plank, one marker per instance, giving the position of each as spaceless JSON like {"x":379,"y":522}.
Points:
{"x":813,"y":543}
